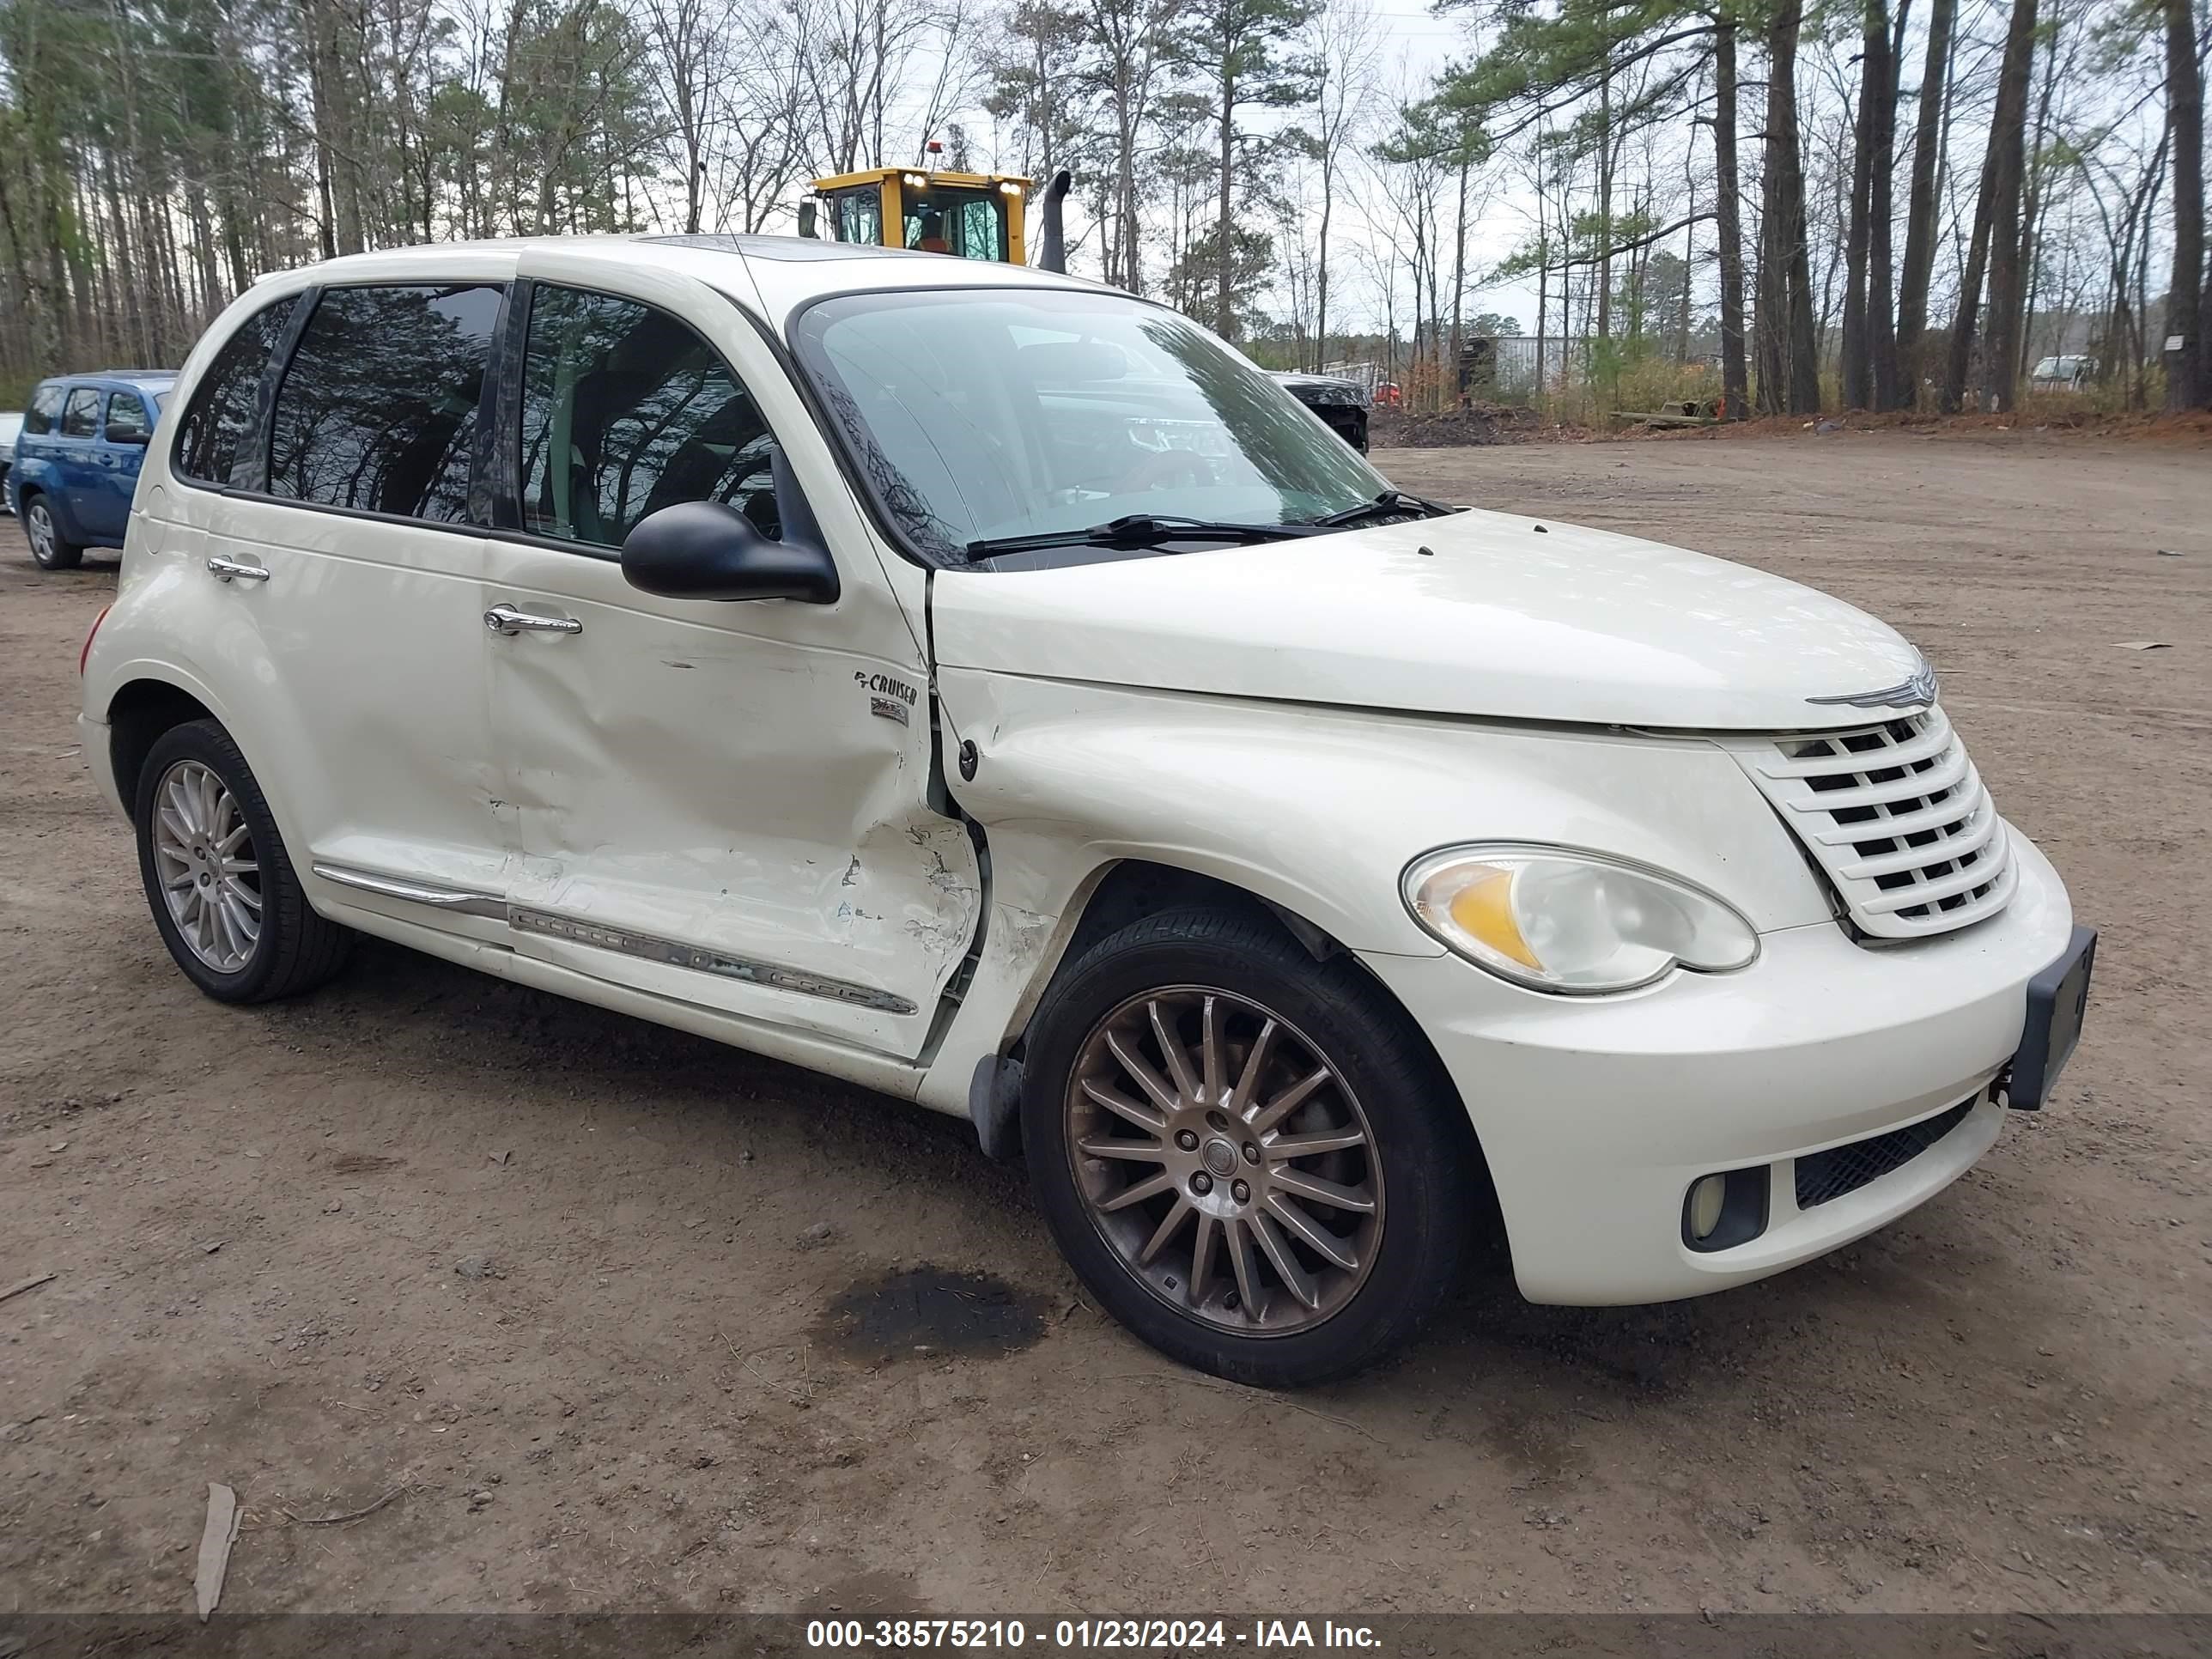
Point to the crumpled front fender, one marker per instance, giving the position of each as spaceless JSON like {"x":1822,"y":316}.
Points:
{"x":1317,"y":810}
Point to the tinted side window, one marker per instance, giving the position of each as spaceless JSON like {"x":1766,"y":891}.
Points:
{"x":222,"y":405}
{"x":46,"y":408}
{"x":625,"y":411}
{"x":82,"y":418}
{"x":378,"y":407}
{"x":127,"y":411}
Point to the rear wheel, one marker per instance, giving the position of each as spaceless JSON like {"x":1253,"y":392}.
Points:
{"x":1251,"y":1159}
{"x":49,"y":550}
{"x":221,"y":886}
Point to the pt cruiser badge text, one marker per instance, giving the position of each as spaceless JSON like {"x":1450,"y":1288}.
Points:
{"x":889,"y":697}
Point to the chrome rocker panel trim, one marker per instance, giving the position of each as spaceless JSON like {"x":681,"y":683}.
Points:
{"x":550,"y":925}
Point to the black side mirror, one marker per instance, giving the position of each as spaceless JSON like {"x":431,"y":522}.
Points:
{"x":806,"y":219}
{"x":127,"y":434}
{"x":705,"y":550}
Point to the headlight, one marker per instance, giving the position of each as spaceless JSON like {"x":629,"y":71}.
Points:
{"x":1578,"y":923}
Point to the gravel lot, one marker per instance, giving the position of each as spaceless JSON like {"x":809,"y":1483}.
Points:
{"x":626,"y":1319}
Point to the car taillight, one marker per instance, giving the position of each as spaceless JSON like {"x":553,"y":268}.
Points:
{"x":87,"y":652}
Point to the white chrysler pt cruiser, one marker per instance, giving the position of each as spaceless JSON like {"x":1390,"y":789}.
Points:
{"x":989,"y":689}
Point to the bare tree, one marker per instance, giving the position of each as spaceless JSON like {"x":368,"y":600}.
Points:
{"x":1869,"y":342}
{"x":1921,"y":206}
{"x":2003,"y":183}
{"x":690,"y":39}
{"x":1728,"y":204}
{"x":759,"y":152}
{"x":1346,"y":50}
{"x":1789,"y":367}
{"x":859,"y":64}
{"x":1241,"y":55}
{"x":2188,"y":384}
{"x":1126,"y":38}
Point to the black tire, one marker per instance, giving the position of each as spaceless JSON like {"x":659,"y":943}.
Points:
{"x":296,"y":949}
{"x":1429,"y":1169}
{"x":41,"y":527}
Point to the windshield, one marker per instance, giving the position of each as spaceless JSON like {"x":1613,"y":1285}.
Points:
{"x":982,"y":414}
{"x":966,"y":223}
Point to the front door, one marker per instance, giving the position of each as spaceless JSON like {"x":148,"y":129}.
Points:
{"x":721,"y":803}
{"x":122,"y":451}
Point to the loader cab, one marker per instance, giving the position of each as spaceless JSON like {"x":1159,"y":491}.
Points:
{"x":967,"y":216}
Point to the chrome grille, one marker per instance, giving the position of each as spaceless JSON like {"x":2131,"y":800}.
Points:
{"x":1896,"y":816}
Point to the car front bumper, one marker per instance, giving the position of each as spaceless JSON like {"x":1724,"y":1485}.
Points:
{"x":1597,"y":1114}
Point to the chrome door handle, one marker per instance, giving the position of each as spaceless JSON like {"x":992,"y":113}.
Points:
{"x":224,"y":569}
{"x":506,"y":619}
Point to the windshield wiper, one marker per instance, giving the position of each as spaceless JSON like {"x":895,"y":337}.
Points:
{"x":1140,"y":529}
{"x":1393,"y":503}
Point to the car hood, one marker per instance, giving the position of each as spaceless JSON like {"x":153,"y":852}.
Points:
{"x":1480,"y":614}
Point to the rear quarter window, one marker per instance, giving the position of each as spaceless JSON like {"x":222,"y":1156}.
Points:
{"x":222,"y":406}
{"x":46,"y":408}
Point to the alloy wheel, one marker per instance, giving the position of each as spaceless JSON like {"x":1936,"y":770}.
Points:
{"x":39,"y":526}
{"x":204,"y":857}
{"x":1225,"y":1160}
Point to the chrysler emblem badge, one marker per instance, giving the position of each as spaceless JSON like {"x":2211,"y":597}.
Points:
{"x":1918,"y":692}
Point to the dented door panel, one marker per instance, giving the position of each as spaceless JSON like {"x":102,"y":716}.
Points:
{"x":729,"y":791}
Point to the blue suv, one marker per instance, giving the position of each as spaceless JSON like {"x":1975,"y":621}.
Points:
{"x":77,"y":460}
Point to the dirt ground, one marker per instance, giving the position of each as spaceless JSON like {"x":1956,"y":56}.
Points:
{"x":562,"y":1281}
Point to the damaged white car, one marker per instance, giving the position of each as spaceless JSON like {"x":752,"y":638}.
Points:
{"x":989,"y":689}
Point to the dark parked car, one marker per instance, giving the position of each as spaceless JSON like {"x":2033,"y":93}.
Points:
{"x":77,"y":460}
{"x":1341,"y":404}
{"x":2070,"y":373}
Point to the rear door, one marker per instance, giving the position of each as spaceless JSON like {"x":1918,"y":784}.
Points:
{"x":723,"y":803}
{"x":76,"y":466}
{"x":347,"y":543}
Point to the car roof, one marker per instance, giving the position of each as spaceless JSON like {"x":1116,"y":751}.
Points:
{"x":772,"y":276}
{"x":154,"y":380}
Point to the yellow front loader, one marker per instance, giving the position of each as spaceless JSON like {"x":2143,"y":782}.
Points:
{"x":967,"y":216}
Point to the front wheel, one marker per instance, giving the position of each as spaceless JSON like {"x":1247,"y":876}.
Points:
{"x":221,"y":885}
{"x":1252,"y":1159}
{"x":49,"y":549}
